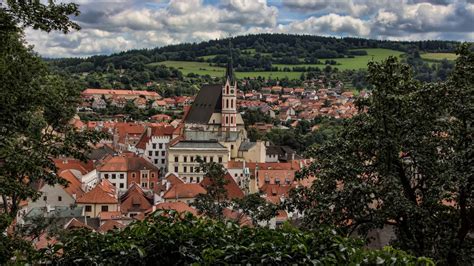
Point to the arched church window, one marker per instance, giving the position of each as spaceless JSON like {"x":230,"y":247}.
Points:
{"x":227,"y":120}
{"x":227,"y":103}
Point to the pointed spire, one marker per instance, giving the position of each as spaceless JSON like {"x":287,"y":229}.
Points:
{"x":229,"y":73}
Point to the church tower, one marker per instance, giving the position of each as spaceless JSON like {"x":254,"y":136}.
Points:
{"x":229,"y":98}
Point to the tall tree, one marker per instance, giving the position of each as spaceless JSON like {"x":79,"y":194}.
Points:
{"x":404,"y":161}
{"x":35,"y":106}
{"x":213,"y":203}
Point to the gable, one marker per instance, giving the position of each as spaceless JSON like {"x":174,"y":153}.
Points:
{"x":207,"y":102}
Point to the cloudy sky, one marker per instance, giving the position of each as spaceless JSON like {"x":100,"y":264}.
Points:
{"x":116,"y":25}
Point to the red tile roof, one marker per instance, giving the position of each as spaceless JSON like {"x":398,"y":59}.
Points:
{"x":233,"y":190}
{"x":173,"y":179}
{"x":73,"y":164}
{"x":124,"y":163}
{"x":74,"y":187}
{"x":102,"y":193}
{"x":154,"y":131}
{"x":74,"y":224}
{"x":113,"y":215}
{"x":125,"y":130}
{"x":109,"y":226}
{"x":184,"y":191}
{"x":135,"y":200}
{"x":178,"y":206}
{"x":90,"y":92}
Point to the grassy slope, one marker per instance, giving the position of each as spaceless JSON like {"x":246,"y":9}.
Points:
{"x":377,"y":54}
{"x":439,"y":56}
{"x":203,"y":68}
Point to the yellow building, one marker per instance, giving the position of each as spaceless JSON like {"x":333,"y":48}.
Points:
{"x":102,"y":198}
{"x":182,"y":158}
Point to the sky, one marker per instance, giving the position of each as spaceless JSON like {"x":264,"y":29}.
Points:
{"x":117,"y":25}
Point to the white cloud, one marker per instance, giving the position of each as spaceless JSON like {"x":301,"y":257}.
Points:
{"x":332,"y":23}
{"x":117,"y":25}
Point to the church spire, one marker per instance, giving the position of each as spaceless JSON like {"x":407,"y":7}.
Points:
{"x":229,"y":73}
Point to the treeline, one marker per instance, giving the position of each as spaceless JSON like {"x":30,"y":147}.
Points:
{"x":282,"y":48}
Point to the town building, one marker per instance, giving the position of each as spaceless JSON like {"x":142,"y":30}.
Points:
{"x":124,"y":170}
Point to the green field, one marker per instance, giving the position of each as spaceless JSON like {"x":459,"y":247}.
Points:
{"x":439,"y":56}
{"x":358,"y":62}
{"x":203,"y":68}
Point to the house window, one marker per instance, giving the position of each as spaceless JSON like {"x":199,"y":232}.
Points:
{"x":191,"y":179}
{"x":144,"y":185}
{"x":192,"y":159}
{"x":156,"y":161}
{"x":157,"y":153}
{"x":231,"y":147}
{"x":231,"y":119}
{"x":205,"y":159}
{"x":226,"y":120}
{"x":176,"y":169}
{"x":231,"y":104}
{"x":198,"y":179}
{"x":227,"y":103}
{"x":211,"y":159}
{"x":176,"y":159}
{"x":163,"y":161}
{"x":185,"y":159}
{"x":185,"y":169}
{"x":152,"y":175}
{"x":220,"y":159}
{"x":121,"y":185}
{"x":114,"y":176}
{"x":60,"y":198}
{"x":45,"y":198}
{"x":154,"y":146}
{"x":88,"y":208}
{"x":122,"y":176}
{"x":160,"y":146}
{"x":163,"y":153}
{"x":104,"y":208}
{"x":150,"y":153}
{"x":106,"y":176}
{"x":191,"y":169}
{"x":152,"y":185}
{"x":144,"y":175}
{"x":133,"y":175}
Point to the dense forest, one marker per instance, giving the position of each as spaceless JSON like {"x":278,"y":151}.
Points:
{"x":260,"y":52}
{"x":282,"y":46}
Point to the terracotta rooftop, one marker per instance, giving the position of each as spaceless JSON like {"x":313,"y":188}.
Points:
{"x":232,"y":188}
{"x":173,"y":179}
{"x":125,"y":163}
{"x":184,"y":191}
{"x":103,"y":192}
{"x":178,"y":206}
{"x":135,"y":200}
{"x":154,"y":131}
{"x":74,"y":224}
{"x":119,"y":92}
{"x":74,"y":186}
{"x":110,"y":225}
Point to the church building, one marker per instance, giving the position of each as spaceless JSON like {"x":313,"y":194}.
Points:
{"x":213,"y":130}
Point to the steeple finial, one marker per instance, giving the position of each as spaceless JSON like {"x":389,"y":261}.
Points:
{"x":230,"y":70}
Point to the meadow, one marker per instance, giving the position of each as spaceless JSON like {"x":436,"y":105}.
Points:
{"x":358,"y":62}
{"x":438,"y":56}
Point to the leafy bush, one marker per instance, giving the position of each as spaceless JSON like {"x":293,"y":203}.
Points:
{"x":173,"y":239}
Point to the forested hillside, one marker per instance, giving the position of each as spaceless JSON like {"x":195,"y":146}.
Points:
{"x":260,"y":57}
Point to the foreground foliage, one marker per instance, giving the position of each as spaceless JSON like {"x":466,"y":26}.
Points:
{"x":172,"y":239}
{"x":406,"y":162}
